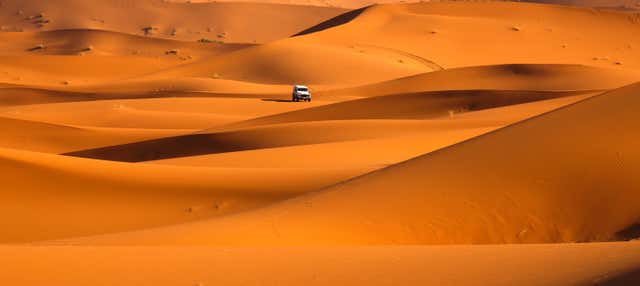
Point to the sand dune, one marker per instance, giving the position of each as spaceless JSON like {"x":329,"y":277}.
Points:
{"x":335,"y":122}
{"x":47,"y":137}
{"x":505,"y":77}
{"x":409,"y":39}
{"x":414,"y":138}
{"x":422,"y":105}
{"x":79,"y":197}
{"x":226,"y":22}
{"x":156,"y":141}
{"x":618,"y":4}
{"x":552,"y":265}
{"x":89,"y":42}
{"x":294,"y":61}
{"x":563,"y":190}
{"x":293,"y":134}
{"x":458,"y":34}
{"x":60,"y":71}
{"x":164,"y":112}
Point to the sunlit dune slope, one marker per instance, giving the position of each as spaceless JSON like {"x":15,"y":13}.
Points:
{"x":293,"y":61}
{"x":458,"y":34}
{"x":293,"y":134}
{"x":385,"y":147}
{"x":162,"y":112}
{"x":63,"y":71}
{"x":564,"y":176}
{"x":617,"y":4}
{"x":385,"y":42}
{"x":46,"y":137}
{"x":88,"y":42}
{"x":335,"y":122}
{"x":77,"y":197}
{"x":65,"y":59}
{"x":421,"y":105}
{"x":531,"y":77}
{"x":228,"y":22}
{"x":528,"y":265}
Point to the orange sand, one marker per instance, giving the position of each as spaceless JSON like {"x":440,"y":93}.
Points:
{"x":447,"y":143}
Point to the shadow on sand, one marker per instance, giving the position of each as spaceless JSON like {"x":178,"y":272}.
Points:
{"x":277,"y":100}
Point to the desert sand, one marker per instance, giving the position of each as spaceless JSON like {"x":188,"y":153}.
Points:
{"x":447,"y":143}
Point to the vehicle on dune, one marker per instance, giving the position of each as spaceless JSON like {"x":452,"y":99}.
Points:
{"x":301,"y":93}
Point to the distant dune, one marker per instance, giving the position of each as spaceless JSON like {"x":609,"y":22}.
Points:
{"x":618,"y":4}
{"x":225,"y":22}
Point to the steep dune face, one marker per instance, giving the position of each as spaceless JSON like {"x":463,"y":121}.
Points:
{"x":184,"y":21}
{"x":543,"y":180}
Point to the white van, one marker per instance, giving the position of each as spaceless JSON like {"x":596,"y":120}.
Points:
{"x":300,"y":93}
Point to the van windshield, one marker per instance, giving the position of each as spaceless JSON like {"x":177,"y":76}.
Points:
{"x":302,"y":89}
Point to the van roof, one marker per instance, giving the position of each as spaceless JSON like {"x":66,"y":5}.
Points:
{"x":297,"y":86}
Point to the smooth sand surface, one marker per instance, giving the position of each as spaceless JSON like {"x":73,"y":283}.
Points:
{"x":447,"y":143}
{"x":607,"y":264}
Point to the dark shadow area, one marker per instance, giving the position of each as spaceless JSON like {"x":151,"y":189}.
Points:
{"x":421,"y":105}
{"x":35,"y":49}
{"x":630,"y":233}
{"x":333,"y":22}
{"x":23,"y":95}
{"x":630,"y":278}
{"x":171,"y":147}
{"x":197,"y":144}
{"x":277,"y":100}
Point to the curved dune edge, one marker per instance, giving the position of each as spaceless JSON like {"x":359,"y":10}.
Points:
{"x":420,"y":105}
{"x":567,"y":187}
{"x":342,"y":121}
{"x":607,"y":264}
{"x":77,"y":197}
{"x":56,"y":138}
{"x":533,"y":77}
